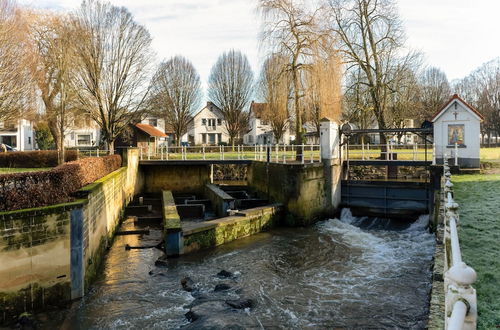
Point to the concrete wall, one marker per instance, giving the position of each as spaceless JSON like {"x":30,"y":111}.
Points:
{"x":177,"y":178}
{"x":224,"y":230}
{"x":302,"y":189}
{"x":49,"y":255}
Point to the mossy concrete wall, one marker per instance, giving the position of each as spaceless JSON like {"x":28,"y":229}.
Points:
{"x":303,"y":189}
{"x":172,"y":230}
{"x":216,"y":232}
{"x":177,"y":178}
{"x":49,"y":255}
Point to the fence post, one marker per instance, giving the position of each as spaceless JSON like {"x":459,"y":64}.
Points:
{"x":456,"y":154}
{"x":433,"y":153}
{"x":362,"y":150}
{"x":222,"y":152}
{"x":97,"y":150}
{"x":368,"y":149}
{"x":239,"y":154}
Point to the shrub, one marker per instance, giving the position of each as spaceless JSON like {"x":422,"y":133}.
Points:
{"x":34,"y":189}
{"x":40,"y":158}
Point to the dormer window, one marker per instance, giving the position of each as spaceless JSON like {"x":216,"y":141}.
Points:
{"x":204,"y":121}
{"x":219,"y":121}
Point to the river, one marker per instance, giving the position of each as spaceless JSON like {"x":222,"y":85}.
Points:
{"x":353,"y":273}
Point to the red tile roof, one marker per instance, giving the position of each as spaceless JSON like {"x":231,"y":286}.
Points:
{"x":456,"y":97}
{"x":257,"y":109}
{"x":150,"y":130}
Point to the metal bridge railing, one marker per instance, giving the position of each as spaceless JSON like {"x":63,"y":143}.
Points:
{"x":367,"y":151}
{"x":277,"y":153}
{"x":460,"y":296}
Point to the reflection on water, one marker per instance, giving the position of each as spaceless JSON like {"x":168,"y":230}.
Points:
{"x":348,"y":273}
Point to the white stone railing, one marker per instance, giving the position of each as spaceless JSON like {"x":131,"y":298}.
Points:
{"x":460,"y":296}
{"x":278,"y":153}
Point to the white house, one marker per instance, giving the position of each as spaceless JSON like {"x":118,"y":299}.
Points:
{"x":457,"y":124}
{"x":83,"y":132}
{"x":18,"y":134}
{"x":260,"y":131}
{"x":207,"y":127}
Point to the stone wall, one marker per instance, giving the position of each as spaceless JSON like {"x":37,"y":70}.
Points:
{"x":301,"y":188}
{"x":49,"y":255}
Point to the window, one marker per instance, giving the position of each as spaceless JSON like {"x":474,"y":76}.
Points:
{"x":83,"y":139}
{"x":203,"y":138}
{"x":250,"y":139}
{"x":211,"y":138}
{"x":204,"y":121}
{"x":153,"y":122}
{"x":211,"y":122}
{"x":219,"y":121}
{"x":29,"y":139}
{"x":219,"y":136}
{"x":264,"y":122}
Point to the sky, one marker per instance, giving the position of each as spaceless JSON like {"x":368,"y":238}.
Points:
{"x":455,"y":35}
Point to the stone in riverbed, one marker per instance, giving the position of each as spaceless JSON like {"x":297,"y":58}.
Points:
{"x":222,"y":287}
{"x":187,"y":284}
{"x":161,"y":261}
{"x":224,"y":274}
{"x":240,"y":303}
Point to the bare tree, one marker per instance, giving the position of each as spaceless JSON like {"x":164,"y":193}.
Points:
{"x":230,"y":88}
{"x":291,"y":30}
{"x":481,"y":88}
{"x":322,"y":80}
{"x":176,"y":93}
{"x":403,"y":104}
{"x":53,"y":66}
{"x":16,"y":92}
{"x":114,"y":56}
{"x":275,"y":89}
{"x":372,"y":40}
{"x":433,"y":93}
{"x":358,"y":108}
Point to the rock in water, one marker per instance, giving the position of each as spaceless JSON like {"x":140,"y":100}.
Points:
{"x":221,"y":287}
{"x":240,"y":303}
{"x":187,"y":284}
{"x":224,"y":274}
{"x":161,"y":261}
{"x":191,"y":316}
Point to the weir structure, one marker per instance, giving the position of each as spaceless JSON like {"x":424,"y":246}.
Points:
{"x":301,"y":184}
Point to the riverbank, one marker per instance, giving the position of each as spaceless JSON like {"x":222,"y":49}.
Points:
{"x":478,"y":197}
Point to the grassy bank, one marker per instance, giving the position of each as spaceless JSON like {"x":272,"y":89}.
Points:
{"x":479,"y":200}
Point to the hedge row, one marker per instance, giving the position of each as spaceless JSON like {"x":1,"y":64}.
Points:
{"x":40,"y":158}
{"x":34,"y":189}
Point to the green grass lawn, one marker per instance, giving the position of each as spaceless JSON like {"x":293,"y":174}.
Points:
{"x":5,"y":170}
{"x":490,"y":154}
{"x":479,"y":200}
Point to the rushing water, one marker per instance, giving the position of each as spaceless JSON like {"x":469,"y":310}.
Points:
{"x":354,"y":273}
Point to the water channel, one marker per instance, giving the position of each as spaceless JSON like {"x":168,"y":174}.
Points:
{"x":354,"y":273}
